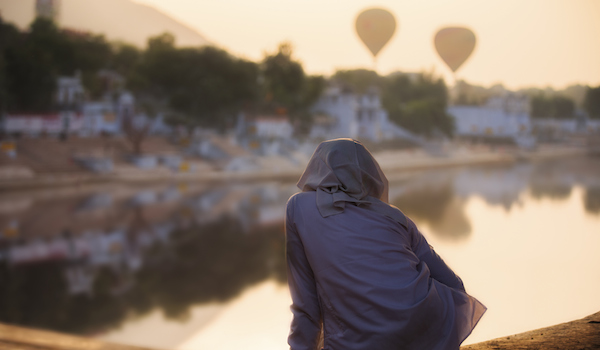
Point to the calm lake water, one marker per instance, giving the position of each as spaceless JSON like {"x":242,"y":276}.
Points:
{"x":199,"y":266}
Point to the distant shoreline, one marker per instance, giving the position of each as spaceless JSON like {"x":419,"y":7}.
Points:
{"x":392,"y":164}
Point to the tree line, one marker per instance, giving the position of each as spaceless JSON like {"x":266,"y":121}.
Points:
{"x":207,"y":86}
{"x":562,"y":107}
{"x":203,"y":86}
{"x":544,"y":103}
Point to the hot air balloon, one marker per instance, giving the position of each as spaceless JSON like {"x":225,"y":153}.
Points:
{"x":375,"y":27}
{"x":454,"y":45}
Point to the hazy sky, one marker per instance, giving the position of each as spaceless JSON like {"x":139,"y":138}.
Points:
{"x":519,"y":43}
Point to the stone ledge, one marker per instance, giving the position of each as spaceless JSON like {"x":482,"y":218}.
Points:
{"x":19,"y":338}
{"x":580,"y":334}
{"x":583,"y":334}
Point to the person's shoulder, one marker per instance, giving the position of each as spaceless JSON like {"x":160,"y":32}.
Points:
{"x":301,"y":197}
{"x":393,"y":213}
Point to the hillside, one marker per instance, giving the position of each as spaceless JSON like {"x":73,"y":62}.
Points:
{"x":120,"y":20}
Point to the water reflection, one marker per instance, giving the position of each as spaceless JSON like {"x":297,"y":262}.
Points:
{"x":592,"y":200}
{"x":438,"y":198}
{"x":85,"y":264}
{"x":436,"y":203}
{"x":85,"y":290}
{"x":86,"y":260}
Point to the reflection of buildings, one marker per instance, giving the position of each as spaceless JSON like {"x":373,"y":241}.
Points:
{"x":85,"y":253}
{"x":254,"y":206}
{"x":591,"y":200}
{"x":437,"y":197}
{"x":498,"y":186}
{"x":113,"y":229}
{"x":130,"y":250}
{"x":431,"y":199}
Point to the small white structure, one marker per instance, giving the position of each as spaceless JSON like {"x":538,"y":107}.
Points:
{"x":70,"y":92}
{"x":263,"y":126}
{"x":100,"y":117}
{"x":273,"y":127}
{"x":342,"y":113}
{"x":593,"y":125}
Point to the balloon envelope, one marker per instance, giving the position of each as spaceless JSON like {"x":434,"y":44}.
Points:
{"x":375,"y":27}
{"x":454,"y":45}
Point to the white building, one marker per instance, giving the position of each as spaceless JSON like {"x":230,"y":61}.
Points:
{"x":502,"y":117}
{"x":70,"y":92}
{"x":81,"y":117}
{"x":342,"y":113}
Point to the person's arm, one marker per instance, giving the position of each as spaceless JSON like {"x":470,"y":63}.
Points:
{"x":305,"y":329}
{"x":437,"y":267}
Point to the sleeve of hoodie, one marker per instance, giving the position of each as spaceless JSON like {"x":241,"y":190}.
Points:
{"x":437,"y":267}
{"x":305,"y":329}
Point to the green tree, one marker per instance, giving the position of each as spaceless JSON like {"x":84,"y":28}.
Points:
{"x":288,"y":89}
{"x":418,"y":104}
{"x":125,"y":60}
{"x":205,"y":85}
{"x":591,"y":102}
{"x":9,"y":35}
{"x":90,"y":53}
{"x":564,"y":107}
{"x":540,"y":107}
{"x":31,"y":69}
{"x":283,"y":78}
{"x":554,"y":107}
{"x":359,"y":80}
{"x":33,"y":61}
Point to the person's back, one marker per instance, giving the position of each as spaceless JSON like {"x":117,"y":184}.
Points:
{"x":368,"y":276}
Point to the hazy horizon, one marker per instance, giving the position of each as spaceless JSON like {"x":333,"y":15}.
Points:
{"x":560,"y":38}
{"x":535,"y":44}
